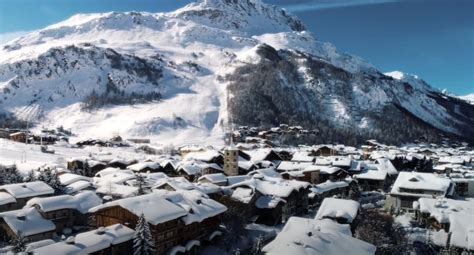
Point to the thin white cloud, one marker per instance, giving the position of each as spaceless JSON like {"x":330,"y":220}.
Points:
{"x":7,"y":37}
{"x":329,"y":4}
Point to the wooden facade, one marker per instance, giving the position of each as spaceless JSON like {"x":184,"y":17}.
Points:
{"x":64,"y":218}
{"x":19,"y":137}
{"x":166,"y":235}
{"x":6,"y":234}
{"x":20,"y":203}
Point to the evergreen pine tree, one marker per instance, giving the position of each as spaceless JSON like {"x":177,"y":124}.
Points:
{"x":19,"y":243}
{"x":55,"y":183}
{"x":50,"y":177}
{"x":31,"y":177}
{"x":13,"y":175}
{"x":140,"y":182}
{"x":2,"y":175}
{"x":142,"y":240}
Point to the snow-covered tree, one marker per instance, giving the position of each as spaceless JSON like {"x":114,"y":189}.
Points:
{"x":379,"y":229}
{"x":143,"y":243}
{"x":140,"y":183}
{"x":19,"y":243}
{"x":31,"y":176}
{"x":50,"y":177}
{"x":13,"y":175}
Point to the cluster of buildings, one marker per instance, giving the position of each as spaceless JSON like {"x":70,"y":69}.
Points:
{"x":183,"y":197}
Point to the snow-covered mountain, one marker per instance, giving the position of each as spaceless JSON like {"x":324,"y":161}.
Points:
{"x":187,"y":71}
{"x":469,"y":98}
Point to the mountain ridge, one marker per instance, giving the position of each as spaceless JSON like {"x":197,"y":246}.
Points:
{"x":198,"y":52}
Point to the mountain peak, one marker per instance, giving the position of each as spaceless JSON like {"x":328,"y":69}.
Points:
{"x":253,"y":16}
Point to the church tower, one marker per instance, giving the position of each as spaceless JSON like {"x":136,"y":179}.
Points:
{"x":231,"y":153}
{"x":231,"y":160}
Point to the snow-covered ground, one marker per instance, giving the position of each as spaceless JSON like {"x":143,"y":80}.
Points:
{"x":29,"y":156}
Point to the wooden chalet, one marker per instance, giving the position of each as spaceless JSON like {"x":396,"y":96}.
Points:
{"x":19,"y":137}
{"x":15,"y":196}
{"x":324,"y":151}
{"x":115,"y":239}
{"x":65,"y":211}
{"x":173,"y":227}
{"x":28,"y":222}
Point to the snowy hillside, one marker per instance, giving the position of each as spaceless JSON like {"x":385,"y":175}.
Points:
{"x":176,"y":68}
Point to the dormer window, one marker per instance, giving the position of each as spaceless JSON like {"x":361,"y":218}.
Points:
{"x":21,"y":216}
{"x":414,"y":179}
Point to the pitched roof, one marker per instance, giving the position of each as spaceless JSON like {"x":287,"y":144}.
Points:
{"x":28,"y":221}
{"x":148,"y":204}
{"x":90,"y":241}
{"x":81,"y":202}
{"x":28,"y":189}
{"x":420,"y":181}
{"x":338,"y":208}
{"x":308,"y":237}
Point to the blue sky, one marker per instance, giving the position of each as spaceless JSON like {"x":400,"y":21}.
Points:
{"x":431,"y":38}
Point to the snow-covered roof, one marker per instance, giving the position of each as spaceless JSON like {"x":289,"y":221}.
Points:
{"x":28,"y":221}
{"x":453,"y":160}
{"x":329,"y":170}
{"x":462,"y":230}
{"x":333,"y":208}
{"x":6,"y":198}
{"x":177,"y":183}
{"x":27,"y":189}
{"x":214,"y":178}
{"x":386,"y":166}
{"x":107,"y":171}
{"x":148,"y":204}
{"x":208,"y":188}
{"x":341,"y":161}
{"x":116,"y":177}
{"x":306,"y":237}
{"x":144,"y":165}
{"x":244,"y":164}
{"x":372,"y":175}
{"x":293,"y":166}
{"x":206,"y":156}
{"x":197,"y":205}
{"x":273,"y":186}
{"x":121,"y":161}
{"x":442,"y":208}
{"x":323,"y":161}
{"x":81,"y":202}
{"x":117,"y":190}
{"x":35,"y":245}
{"x":242,"y":194}
{"x":94,"y":163}
{"x":237,"y":179}
{"x":260,"y":154}
{"x":420,"y":181}
{"x":77,"y":186}
{"x":190,"y":167}
{"x":268,"y":202}
{"x":90,"y":242}
{"x":68,"y":178}
{"x":328,"y":186}
{"x":302,"y":156}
